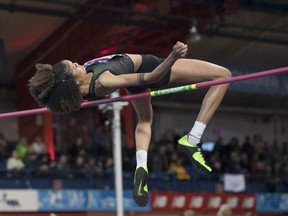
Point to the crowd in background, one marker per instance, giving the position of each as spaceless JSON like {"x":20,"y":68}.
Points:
{"x":84,"y":151}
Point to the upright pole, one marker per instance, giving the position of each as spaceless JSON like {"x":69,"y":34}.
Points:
{"x":117,"y":154}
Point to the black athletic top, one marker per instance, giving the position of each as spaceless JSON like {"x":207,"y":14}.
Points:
{"x":122,"y":64}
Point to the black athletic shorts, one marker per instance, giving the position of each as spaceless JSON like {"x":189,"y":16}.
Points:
{"x":149,"y":63}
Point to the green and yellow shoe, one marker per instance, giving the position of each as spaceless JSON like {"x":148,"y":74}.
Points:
{"x":193,"y":151}
{"x":140,"y":192}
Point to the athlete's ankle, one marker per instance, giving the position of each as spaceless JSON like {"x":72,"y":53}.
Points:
{"x":192,"y":139}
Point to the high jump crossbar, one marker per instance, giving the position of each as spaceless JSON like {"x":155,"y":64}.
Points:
{"x":157,"y":92}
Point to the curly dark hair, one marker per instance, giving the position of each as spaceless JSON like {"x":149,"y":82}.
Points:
{"x":55,"y":87}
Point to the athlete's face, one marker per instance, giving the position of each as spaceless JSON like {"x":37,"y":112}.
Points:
{"x":78,"y":71}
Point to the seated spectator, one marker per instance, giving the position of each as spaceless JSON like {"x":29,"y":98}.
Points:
{"x":234,"y":166}
{"x":78,"y":168}
{"x":232,"y":146}
{"x":160,"y":161}
{"x":77,"y":148}
{"x":45,"y":165}
{"x":247,"y":147}
{"x":4,"y":148}
{"x":15,"y":165}
{"x":38,"y":146}
{"x":32,"y":163}
{"x":108,"y":168}
{"x":259,"y":164}
{"x":107,"y":143}
{"x":62,"y":167}
{"x":85,"y":134}
{"x":96,"y":135}
{"x":216,"y":163}
{"x":176,"y":166}
{"x":57,"y":184}
{"x":22,"y":148}
{"x":69,"y":135}
{"x":94,"y":167}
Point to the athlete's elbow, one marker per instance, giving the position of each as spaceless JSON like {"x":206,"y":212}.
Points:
{"x":154,"y":80}
{"x":147,"y":79}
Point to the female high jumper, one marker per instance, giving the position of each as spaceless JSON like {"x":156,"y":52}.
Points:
{"x":62,"y":87}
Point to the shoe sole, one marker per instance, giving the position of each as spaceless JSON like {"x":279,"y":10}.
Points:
{"x":143,"y":199}
{"x":186,"y":151}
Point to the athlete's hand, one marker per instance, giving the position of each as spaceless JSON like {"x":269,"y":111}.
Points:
{"x":179,"y":50}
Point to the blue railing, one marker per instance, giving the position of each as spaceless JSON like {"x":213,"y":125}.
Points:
{"x":198,"y":182}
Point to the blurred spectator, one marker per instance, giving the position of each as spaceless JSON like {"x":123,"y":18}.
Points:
{"x":219,"y":158}
{"x":250,"y":214}
{"x":128,"y":157}
{"x":108,"y":168}
{"x":245,"y":163}
{"x":160,"y":162}
{"x":164,"y":139}
{"x":22,"y":148}
{"x":234,"y":166}
{"x":94,"y":167}
{"x":224,"y":210}
{"x":69,"y":135}
{"x":57,"y":184}
{"x":45,"y":165}
{"x":62,"y":167}
{"x":257,"y":142}
{"x":232,"y":146}
{"x":85,"y":134}
{"x":32,"y":163}
{"x":188,"y":213}
{"x":284,"y":148}
{"x":106,"y":144}
{"x":4,"y":148}
{"x":219,"y":187}
{"x":78,"y":168}
{"x":77,"y":148}
{"x":247,"y":147}
{"x":96,"y":135}
{"x":216,"y":164}
{"x":38,"y":147}
{"x":259,"y":164}
{"x":176,"y":166}
{"x":15,"y":165}
{"x":259,"y":156}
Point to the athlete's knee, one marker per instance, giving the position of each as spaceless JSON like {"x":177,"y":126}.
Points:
{"x":145,"y":118}
{"x":224,"y":72}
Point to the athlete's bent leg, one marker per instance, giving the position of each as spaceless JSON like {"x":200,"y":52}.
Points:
{"x":192,"y":71}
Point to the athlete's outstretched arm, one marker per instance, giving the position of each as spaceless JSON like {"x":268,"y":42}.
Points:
{"x":179,"y":50}
{"x":138,"y":79}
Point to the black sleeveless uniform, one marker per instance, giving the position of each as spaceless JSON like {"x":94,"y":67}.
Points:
{"x":122,"y":64}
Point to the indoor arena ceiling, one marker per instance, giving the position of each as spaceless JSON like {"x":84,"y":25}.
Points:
{"x":252,"y":33}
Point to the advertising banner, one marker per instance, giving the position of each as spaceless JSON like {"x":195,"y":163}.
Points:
{"x":201,"y":201}
{"x":272,"y":202}
{"x":18,"y":200}
{"x":97,"y":200}
{"x":85,"y":200}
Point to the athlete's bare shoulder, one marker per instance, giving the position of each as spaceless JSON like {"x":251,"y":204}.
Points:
{"x":137,"y":59}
